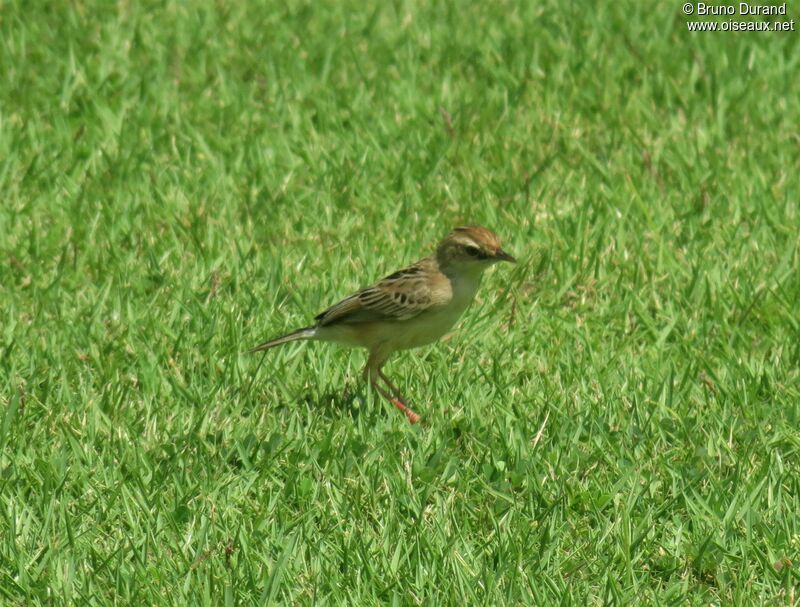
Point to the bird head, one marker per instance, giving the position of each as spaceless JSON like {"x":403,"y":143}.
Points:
{"x":472,"y":248}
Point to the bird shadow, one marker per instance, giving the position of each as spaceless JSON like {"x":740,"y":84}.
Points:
{"x":352,"y":402}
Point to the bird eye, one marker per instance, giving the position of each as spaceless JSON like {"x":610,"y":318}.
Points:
{"x":472,"y":251}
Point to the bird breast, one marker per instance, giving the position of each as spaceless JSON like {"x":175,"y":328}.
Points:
{"x":455,"y":295}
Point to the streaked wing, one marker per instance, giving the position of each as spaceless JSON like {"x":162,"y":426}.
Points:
{"x":399,"y":296}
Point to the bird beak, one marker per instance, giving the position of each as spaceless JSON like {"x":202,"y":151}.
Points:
{"x":501,"y":255}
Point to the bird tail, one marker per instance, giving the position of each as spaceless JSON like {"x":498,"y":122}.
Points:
{"x":304,"y":333}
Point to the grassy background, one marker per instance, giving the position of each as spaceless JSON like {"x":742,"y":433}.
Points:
{"x":615,"y":422}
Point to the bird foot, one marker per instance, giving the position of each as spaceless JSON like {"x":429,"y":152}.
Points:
{"x":413,"y":418}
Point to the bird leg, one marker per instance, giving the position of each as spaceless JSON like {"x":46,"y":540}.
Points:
{"x":373,"y":374}
{"x":395,"y":390}
{"x":409,"y":413}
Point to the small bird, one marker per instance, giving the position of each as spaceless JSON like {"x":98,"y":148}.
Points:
{"x":408,"y":309}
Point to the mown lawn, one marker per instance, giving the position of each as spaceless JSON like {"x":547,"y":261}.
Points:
{"x":616,"y":419}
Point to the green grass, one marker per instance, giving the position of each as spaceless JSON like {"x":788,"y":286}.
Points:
{"x":616,"y":421}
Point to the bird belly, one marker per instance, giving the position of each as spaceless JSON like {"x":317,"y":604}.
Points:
{"x":426,"y":328}
{"x":392,"y":335}
{"x":423,"y":330}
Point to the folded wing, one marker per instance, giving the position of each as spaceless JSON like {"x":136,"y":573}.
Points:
{"x":400,"y":296}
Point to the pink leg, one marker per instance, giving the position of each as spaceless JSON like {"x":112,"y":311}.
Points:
{"x":410,"y":414}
